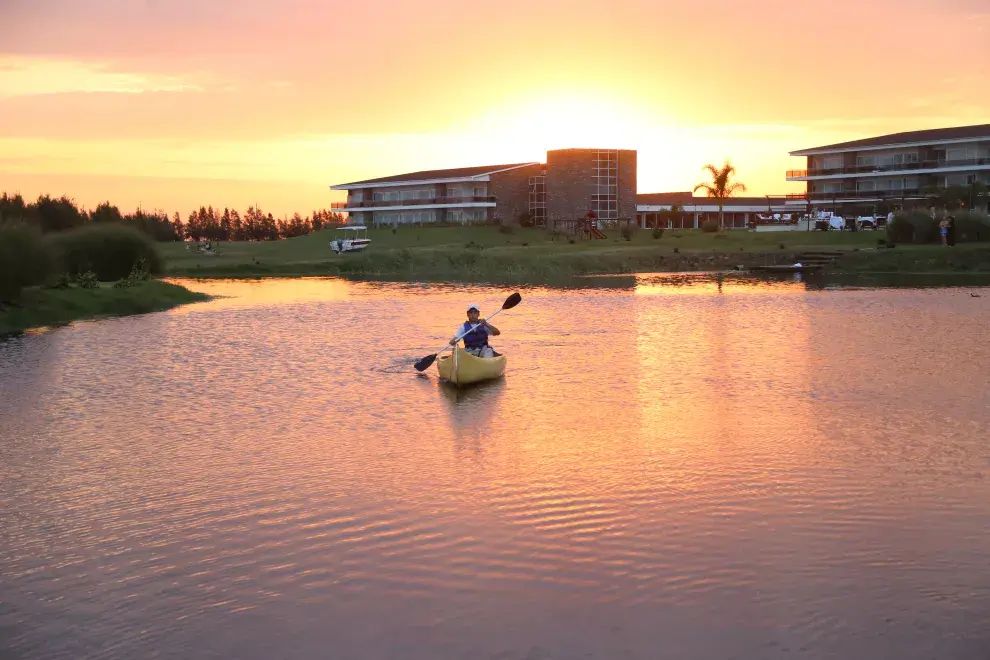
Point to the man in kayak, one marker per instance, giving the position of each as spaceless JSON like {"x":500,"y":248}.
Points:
{"x":476,"y":341}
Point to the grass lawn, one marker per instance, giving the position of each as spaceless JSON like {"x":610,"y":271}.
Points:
{"x":484,"y":252}
{"x":919,"y":259}
{"x":40,"y":307}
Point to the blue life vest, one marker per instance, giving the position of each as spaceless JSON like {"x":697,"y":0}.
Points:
{"x":477,"y":338}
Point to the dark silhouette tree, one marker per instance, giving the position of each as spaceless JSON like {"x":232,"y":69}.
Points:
{"x":721,"y":187}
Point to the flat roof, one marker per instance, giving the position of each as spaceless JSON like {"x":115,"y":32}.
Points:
{"x":689,"y":199}
{"x":956,"y":134}
{"x":665,"y":198}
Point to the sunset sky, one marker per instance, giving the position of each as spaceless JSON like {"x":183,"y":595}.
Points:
{"x":176,"y":103}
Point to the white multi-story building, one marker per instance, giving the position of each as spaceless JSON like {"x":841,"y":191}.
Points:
{"x":572,"y":183}
{"x":902,"y":169}
{"x":463,"y":195}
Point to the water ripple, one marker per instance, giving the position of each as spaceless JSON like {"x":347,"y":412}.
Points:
{"x":663,"y":472}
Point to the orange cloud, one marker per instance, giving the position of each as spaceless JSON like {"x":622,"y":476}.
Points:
{"x":25,"y":76}
{"x":308,"y":93}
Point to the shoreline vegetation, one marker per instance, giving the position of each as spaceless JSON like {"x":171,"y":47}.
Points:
{"x":531,"y":255}
{"x":92,"y":271}
{"x":41,"y":307}
{"x":101,"y":270}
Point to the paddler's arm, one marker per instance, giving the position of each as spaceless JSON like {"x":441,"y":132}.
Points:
{"x":492,"y":329}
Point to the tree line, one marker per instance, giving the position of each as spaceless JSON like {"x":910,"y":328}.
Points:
{"x":52,"y":215}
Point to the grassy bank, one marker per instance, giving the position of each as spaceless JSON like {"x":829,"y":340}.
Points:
{"x":962,"y":258}
{"x":41,"y":307}
{"x":485,"y":253}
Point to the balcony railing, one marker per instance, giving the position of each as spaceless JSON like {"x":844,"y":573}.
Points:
{"x":861,"y":194}
{"x":880,"y":169}
{"x":369,"y":203}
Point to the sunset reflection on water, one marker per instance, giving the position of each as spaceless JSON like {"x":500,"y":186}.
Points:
{"x":669,"y":467}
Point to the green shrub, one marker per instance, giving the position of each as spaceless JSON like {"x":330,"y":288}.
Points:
{"x":139,"y":273}
{"x":87,"y":280}
{"x":109,"y":250}
{"x":925,"y":229}
{"x":24,"y":259}
{"x":900,"y":230}
{"x":60,"y":281}
{"x":913,"y":227}
{"x":505,"y":229}
{"x":972,"y":226}
{"x":709,"y":226}
{"x":658,"y":233}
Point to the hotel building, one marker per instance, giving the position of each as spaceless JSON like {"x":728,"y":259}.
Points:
{"x":571,"y":183}
{"x":900,"y":170}
{"x":851,"y":178}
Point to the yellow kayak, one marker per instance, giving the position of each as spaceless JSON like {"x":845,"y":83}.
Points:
{"x":462,"y":368}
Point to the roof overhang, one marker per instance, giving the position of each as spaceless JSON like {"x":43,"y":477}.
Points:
{"x":818,"y":151}
{"x":417,"y":207}
{"x":707,"y":207}
{"x":420,"y":182}
{"x":891,"y":173}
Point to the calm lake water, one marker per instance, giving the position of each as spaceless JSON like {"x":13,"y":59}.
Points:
{"x":671,"y":468}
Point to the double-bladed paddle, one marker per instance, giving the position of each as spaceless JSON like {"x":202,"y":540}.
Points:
{"x":509,"y":303}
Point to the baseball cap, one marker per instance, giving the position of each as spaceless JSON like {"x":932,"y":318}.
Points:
{"x":473,"y":306}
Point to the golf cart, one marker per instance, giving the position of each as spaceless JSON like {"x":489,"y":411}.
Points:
{"x":350,"y":239}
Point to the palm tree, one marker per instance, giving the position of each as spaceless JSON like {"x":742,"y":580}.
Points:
{"x":720,"y":189}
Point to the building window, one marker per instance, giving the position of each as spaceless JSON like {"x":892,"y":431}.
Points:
{"x":418,"y":194}
{"x":832,"y":163}
{"x":466,"y":216}
{"x":538,"y":199}
{"x":890,"y":161}
{"x":960,"y":153}
{"x":411,"y":217}
{"x":429,"y":193}
{"x":909,"y":183}
{"x":605,"y":180}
